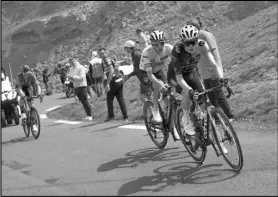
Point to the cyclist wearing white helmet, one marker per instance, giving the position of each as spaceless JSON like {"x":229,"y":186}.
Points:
{"x":185,"y":56}
{"x":153,"y":61}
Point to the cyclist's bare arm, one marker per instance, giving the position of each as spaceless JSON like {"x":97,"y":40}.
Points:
{"x":206,"y":52}
{"x":151,"y":75}
{"x":182,"y":83}
{"x":36,"y":84}
{"x":110,"y":74}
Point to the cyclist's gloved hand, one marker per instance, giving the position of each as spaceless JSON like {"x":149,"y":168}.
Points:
{"x":193,"y":94}
{"x":163,"y":87}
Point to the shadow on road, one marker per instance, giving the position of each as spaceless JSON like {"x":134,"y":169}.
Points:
{"x":55,"y":124}
{"x":16,"y":140}
{"x":137,"y":157}
{"x":178,"y":173}
{"x":88,"y":125}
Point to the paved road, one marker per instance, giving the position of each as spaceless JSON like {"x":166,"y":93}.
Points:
{"x":103,"y":159}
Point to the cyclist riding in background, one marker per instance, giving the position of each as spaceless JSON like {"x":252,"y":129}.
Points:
{"x":153,"y":60}
{"x":24,"y":82}
{"x":185,"y":56}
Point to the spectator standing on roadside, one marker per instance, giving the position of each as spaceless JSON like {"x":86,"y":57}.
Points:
{"x":45,"y":78}
{"x":96,"y":70}
{"x":113,"y":85}
{"x":145,"y":83}
{"x":216,"y":97}
{"x":78,"y":76}
{"x":142,"y":39}
{"x":116,"y":90}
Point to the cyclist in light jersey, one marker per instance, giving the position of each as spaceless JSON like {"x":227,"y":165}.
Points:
{"x":153,"y":61}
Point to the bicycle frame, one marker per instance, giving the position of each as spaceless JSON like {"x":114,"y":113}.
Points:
{"x":171,"y":117}
{"x":209,"y":118}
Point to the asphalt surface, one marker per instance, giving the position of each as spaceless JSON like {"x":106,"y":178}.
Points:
{"x":102,"y":159}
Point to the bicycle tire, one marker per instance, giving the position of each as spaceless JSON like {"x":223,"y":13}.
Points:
{"x":239,"y":165}
{"x":26,"y":129}
{"x":150,"y":129}
{"x":202,"y":150}
{"x":35,"y":134}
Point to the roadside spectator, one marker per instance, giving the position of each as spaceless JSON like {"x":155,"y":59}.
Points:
{"x":62,"y":72}
{"x":143,"y":39}
{"x":5,"y":82}
{"x":216,"y":97}
{"x":45,"y":78}
{"x":97,"y":72}
{"x":78,"y":76}
{"x":145,"y":83}
{"x":116,"y":90}
{"x":112,"y":87}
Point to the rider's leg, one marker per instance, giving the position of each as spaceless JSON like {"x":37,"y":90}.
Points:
{"x":156,"y":96}
{"x":186,"y":103}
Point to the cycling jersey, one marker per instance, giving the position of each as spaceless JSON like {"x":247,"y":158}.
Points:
{"x":156,"y":61}
{"x":141,"y":75}
{"x":185,"y":62}
{"x":26,"y":82}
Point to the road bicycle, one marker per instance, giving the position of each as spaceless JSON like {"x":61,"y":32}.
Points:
{"x":159,"y":132}
{"x":210,"y":119}
{"x":32,"y":116}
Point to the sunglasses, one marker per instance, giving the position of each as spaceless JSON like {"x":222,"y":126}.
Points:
{"x":192,"y":42}
{"x":158,"y":44}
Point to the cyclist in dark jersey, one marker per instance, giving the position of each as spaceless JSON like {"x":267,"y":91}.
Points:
{"x":185,"y":56}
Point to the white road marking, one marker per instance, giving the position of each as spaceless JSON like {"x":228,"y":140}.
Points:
{"x":43,"y":116}
{"x":133,"y":127}
{"x":67,"y":122}
{"x":52,"y":108}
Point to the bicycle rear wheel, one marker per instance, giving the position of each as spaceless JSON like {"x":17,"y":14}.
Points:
{"x":225,"y":134}
{"x":156,"y":131}
{"x":35,"y":120}
{"x":198,"y":155}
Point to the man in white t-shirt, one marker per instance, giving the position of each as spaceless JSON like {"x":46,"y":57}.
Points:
{"x":217,"y":97}
{"x":5,"y":82}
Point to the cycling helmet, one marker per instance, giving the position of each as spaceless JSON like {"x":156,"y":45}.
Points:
{"x":157,"y":36}
{"x":25,"y":68}
{"x":129,"y":44}
{"x":189,"y":32}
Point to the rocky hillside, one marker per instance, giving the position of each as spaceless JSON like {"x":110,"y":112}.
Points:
{"x":48,"y":32}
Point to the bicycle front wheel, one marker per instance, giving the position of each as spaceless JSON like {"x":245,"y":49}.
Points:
{"x":156,"y":132}
{"x":198,"y":155}
{"x":227,"y":140}
{"x":35,"y":125}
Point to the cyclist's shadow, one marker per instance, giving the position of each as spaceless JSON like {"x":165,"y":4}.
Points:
{"x":180,"y":173}
{"x":16,"y":140}
{"x":137,"y":157}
